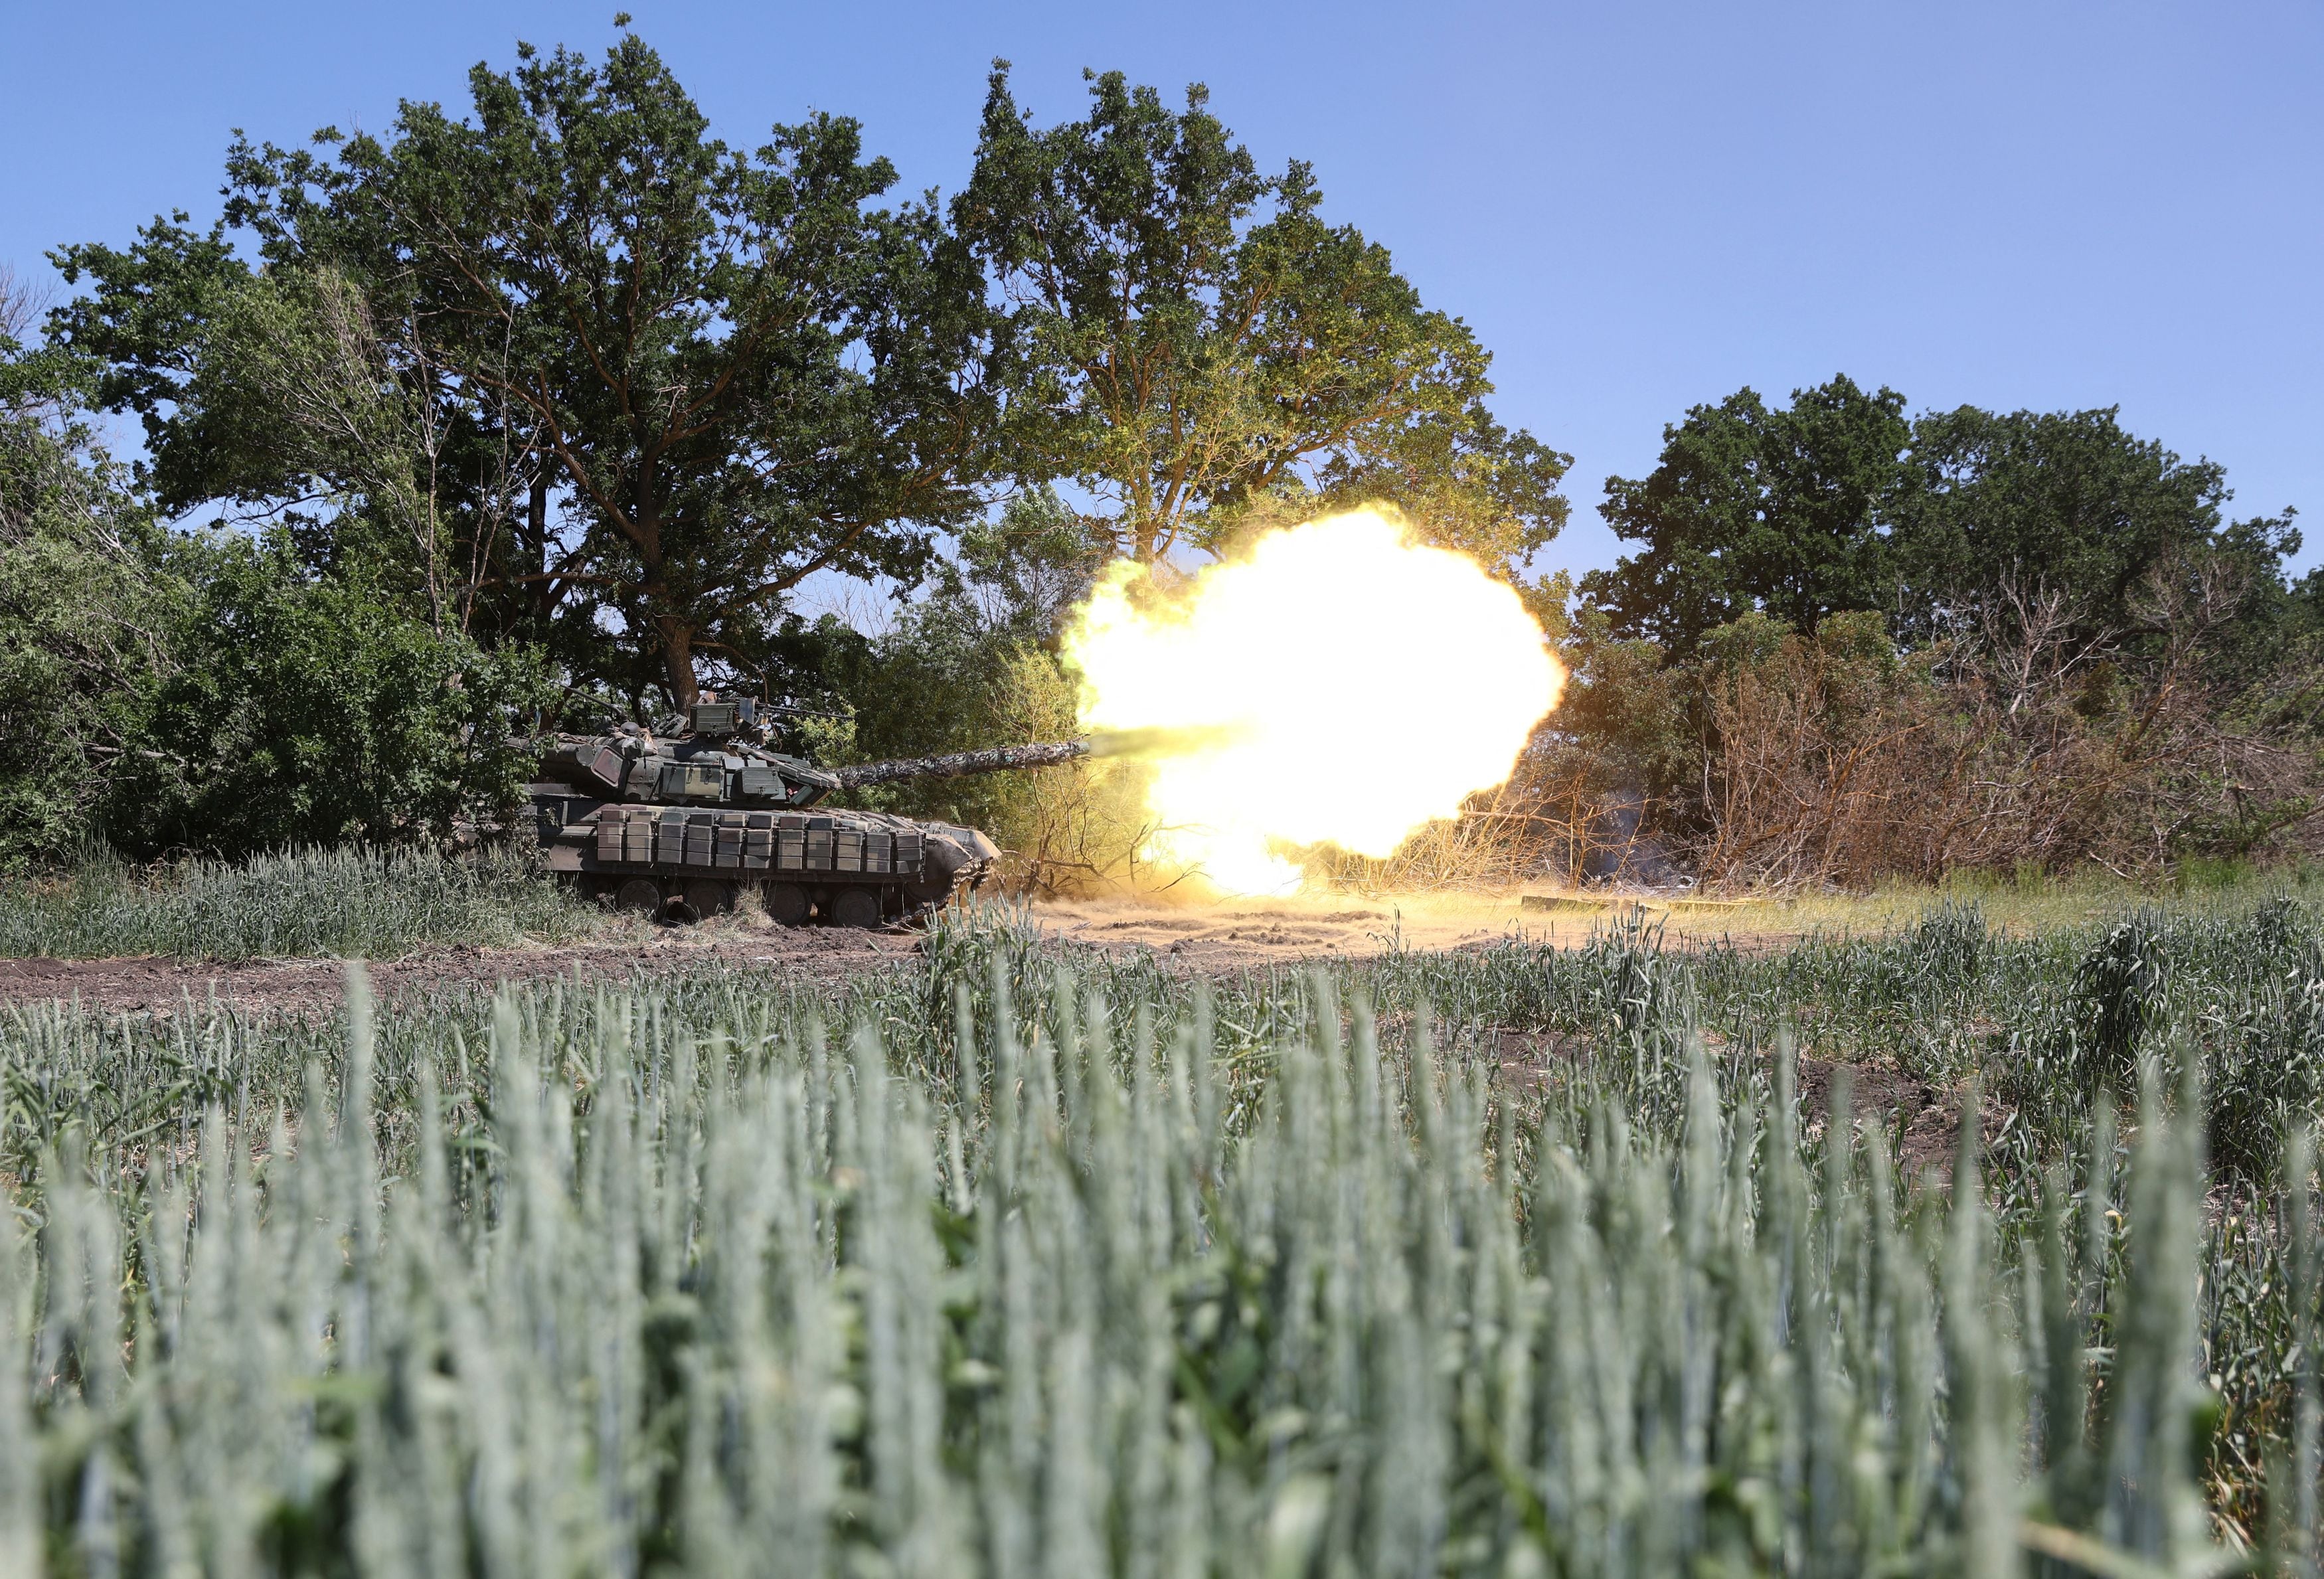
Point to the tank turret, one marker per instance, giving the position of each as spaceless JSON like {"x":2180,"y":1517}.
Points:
{"x":683,"y":821}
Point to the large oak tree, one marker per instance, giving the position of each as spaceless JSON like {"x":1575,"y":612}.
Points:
{"x":1194,"y":342}
{"x":677,"y":378}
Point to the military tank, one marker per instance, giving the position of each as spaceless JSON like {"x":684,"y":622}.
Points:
{"x":684,"y":823}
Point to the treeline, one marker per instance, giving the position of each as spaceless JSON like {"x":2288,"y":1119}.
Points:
{"x":515,"y":415}
{"x":1852,"y":644}
{"x":566,"y":396}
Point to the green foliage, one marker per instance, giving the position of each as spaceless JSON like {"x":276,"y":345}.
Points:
{"x":295,"y":383}
{"x":346,"y":901}
{"x":1952,"y":522}
{"x":650,"y":382}
{"x":315,"y":712}
{"x":87,"y":607}
{"x":1027,"y":569}
{"x":1630,"y":710}
{"x":144,"y":326}
{"x":1193,"y":337}
{"x":272,"y":390}
{"x":2120,"y":988}
{"x":190,"y":691}
{"x":1782,"y":513}
{"x":1999,"y":504}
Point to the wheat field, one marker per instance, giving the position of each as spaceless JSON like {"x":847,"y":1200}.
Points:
{"x":1023,"y":1260}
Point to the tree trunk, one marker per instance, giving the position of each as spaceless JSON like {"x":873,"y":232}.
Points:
{"x":678,"y":661}
{"x":536,"y":551}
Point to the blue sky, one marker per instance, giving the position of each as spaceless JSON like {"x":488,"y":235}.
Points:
{"x":1639,"y":206}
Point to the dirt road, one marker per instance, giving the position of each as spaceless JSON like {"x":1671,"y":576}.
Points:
{"x":1227,"y":935}
{"x":1207,"y":938}
{"x":159,"y":985}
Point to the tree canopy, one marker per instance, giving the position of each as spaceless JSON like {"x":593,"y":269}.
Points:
{"x":570,"y":370}
{"x":557,"y":391}
{"x":174,"y":690}
{"x":2001,"y":505}
{"x":1942,"y":523}
{"x":1783,"y":511}
{"x":1191,"y":340}
{"x":722,"y":370}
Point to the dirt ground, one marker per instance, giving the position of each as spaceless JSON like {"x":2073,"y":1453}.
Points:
{"x":1199,"y":939}
{"x":1204,"y":938}
{"x":1231,"y":934}
{"x":164,"y":986}
{"x":1922,"y":1121}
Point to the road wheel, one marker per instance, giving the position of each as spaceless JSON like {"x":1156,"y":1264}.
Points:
{"x":855,"y":906}
{"x":642,"y":894}
{"x":787,"y":903}
{"x":709,"y":897}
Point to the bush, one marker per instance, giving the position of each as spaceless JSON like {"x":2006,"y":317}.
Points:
{"x":304,"y":712}
{"x":89,"y":604}
{"x":1776,"y":758}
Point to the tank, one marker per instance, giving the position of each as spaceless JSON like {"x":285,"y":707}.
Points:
{"x":684,"y":823}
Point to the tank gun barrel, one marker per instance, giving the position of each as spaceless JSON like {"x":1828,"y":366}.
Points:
{"x":998,"y":759}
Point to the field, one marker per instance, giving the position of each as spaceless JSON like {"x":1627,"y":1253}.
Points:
{"x":1915,"y":1236}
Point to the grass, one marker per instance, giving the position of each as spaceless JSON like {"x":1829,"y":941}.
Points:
{"x":302,"y":902}
{"x":2029,"y":903}
{"x":1019,"y":1259}
{"x":352,"y":902}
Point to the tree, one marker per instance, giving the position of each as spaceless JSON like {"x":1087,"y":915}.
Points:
{"x":725,"y":371}
{"x":309,"y":396}
{"x":1783,"y":511}
{"x":169,"y":691}
{"x":1026,"y":569}
{"x":88,"y":605}
{"x":1945,"y":524}
{"x":2117,"y":529}
{"x":296,"y":382}
{"x":1191,"y":340}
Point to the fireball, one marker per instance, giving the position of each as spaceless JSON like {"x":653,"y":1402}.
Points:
{"x":1340,"y":684}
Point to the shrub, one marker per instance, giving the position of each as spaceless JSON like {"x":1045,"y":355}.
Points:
{"x":316,"y":713}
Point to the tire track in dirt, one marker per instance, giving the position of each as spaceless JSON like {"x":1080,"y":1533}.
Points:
{"x":160,"y":986}
{"x":1190,"y":939}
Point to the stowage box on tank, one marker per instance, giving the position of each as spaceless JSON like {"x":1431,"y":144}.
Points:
{"x":685,"y":824}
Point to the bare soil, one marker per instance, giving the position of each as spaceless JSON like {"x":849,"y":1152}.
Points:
{"x":1921,"y":1120}
{"x":1230,"y":934}
{"x":295,"y":986}
{"x":1211,"y":939}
